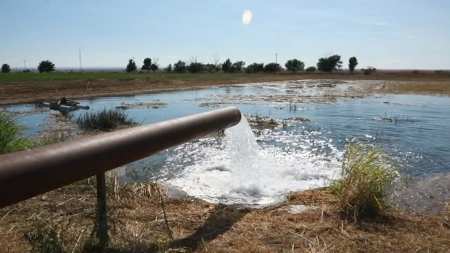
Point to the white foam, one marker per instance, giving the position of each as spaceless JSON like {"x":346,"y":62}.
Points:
{"x":241,"y":171}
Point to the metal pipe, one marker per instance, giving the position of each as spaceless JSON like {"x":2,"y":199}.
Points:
{"x":28,"y":173}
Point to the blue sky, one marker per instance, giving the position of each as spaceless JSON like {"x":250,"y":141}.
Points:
{"x":395,"y":34}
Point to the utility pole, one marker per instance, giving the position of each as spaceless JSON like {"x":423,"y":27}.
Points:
{"x":81,"y":70}
{"x":25,"y":65}
{"x":276,"y":58}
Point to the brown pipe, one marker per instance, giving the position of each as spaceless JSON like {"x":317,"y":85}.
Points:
{"x":28,"y":173}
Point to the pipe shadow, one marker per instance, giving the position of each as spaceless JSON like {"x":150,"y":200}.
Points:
{"x":219,"y":222}
{"x":222,"y":218}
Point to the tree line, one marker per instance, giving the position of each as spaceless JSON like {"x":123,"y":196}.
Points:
{"x":324,"y":64}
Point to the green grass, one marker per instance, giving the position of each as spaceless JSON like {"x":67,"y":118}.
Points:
{"x":366,"y":173}
{"x":11,"y":139}
{"x":64,"y":76}
{"x":104,"y":120}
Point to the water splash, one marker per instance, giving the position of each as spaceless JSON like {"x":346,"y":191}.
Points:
{"x":240,"y":171}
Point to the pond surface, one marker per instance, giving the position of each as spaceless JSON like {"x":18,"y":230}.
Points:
{"x":413,"y":129}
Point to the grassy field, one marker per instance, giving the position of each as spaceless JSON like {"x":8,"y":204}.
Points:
{"x":63,"y":76}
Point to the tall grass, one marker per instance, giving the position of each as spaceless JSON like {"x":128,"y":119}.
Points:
{"x":366,"y":174}
{"x":104,"y":120}
{"x":11,"y":139}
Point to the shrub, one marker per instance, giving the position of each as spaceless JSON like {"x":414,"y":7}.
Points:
{"x":366,"y":174}
{"x":10,"y":135}
{"x":415,"y":72}
{"x":104,"y":120}
{"x":311,"y":69}
{"x":43,"y":239}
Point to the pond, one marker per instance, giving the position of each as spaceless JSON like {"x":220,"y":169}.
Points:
{"x":413,"y":129}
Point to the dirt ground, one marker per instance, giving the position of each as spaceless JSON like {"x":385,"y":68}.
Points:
{"x":29,"y":92}
{"x":137,"y":224}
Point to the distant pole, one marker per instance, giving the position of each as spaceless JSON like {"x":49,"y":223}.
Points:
{"x":276,"y":58}
{"x":81,"y":70}
{"x":24,"y":65}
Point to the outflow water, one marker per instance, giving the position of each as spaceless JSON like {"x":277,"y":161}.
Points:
{"x":240,"y":171}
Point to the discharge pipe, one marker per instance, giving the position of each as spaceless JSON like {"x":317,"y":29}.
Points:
{"x":26,"y":174}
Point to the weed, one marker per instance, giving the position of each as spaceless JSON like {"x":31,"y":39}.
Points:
{"x":366,"y":173}
{"x":10,"y":135}
{"x":43,"y":239}
{"x":104,"y":120}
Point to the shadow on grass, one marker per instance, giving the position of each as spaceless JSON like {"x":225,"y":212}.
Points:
{"x":222,"y":218}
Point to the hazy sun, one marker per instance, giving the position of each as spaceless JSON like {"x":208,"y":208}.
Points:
{"x":247,"y":17}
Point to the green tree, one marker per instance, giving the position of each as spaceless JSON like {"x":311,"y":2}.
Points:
{"x":272,"y":67}
{"x":295,"y":65}
{"x":226,"y":66}
{"x":352,"y":63}
{"x":180,"y":67}
{"x":311,"y":69}
{"x":255,"y":67}
{"x":131,"y":66}
{"x":147,"y":64}
{"x":169,"y":68}
{"x":6,"y":68}
{"x":46,"y":66}
{"x":154,"y":67}
{"x":328,"y":64}
{"x":237,"y":66}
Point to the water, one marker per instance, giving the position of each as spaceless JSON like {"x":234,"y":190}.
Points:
{"x":261,"y":168}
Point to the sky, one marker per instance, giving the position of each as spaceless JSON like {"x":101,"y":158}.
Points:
{"x":394,"y":34}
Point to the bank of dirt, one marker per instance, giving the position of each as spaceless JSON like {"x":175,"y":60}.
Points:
{"x":29,"y":92}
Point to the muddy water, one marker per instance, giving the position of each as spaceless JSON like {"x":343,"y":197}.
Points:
{"x":413,"y":129}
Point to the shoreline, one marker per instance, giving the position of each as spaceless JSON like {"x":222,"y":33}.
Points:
{"x":12,"y":93}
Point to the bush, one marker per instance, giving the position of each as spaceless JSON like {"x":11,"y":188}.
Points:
{"x":272,"y":67}
{"x":368,"y":70}
{"x":366,"y":174}
{"x":43,"y":239}
{"x":46,"y":66}
{"x":311,"y":69}
{"x":10,"y":135}
{"x":415,"y":72}
{"x":180,"y":67}
{"x":104,"y":120}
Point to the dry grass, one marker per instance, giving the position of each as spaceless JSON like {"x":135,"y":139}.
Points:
{"x":137,"y":224}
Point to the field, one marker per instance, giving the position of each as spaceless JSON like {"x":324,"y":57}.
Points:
{"x":33,"y":87}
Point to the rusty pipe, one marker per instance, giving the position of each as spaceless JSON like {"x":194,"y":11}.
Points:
{"x":28,"y":173}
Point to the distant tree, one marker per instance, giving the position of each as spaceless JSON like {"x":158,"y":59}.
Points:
{"x":147,"y":64}
{"x":194,"y":65}
{"x":255,"y":67}
{"x":169,"y":68}
{"x":369,"y":70}
{"x":180,"y":67}
{"x":154,"y":67}
{"x":272,"y":67}
{"x":295,"y":65}
{"x":131,"y":66}
{"x":311,"y":69}
{"x":46,"y":66}
{"x":216,"y":62}
{"x":237,"y":66}
{"x":226,"y":66}
{"x":352,"y":63}
{"x":330,"y":63}
{"x":6,"y":68}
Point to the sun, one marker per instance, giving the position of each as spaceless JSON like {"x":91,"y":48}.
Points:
{"x":246,"y":17}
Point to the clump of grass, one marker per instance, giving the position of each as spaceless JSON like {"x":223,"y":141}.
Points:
{"x":11,"y":139}
{"x":366,"y":174}
{"x":43,"y":239}
{"x":104,"y":120}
